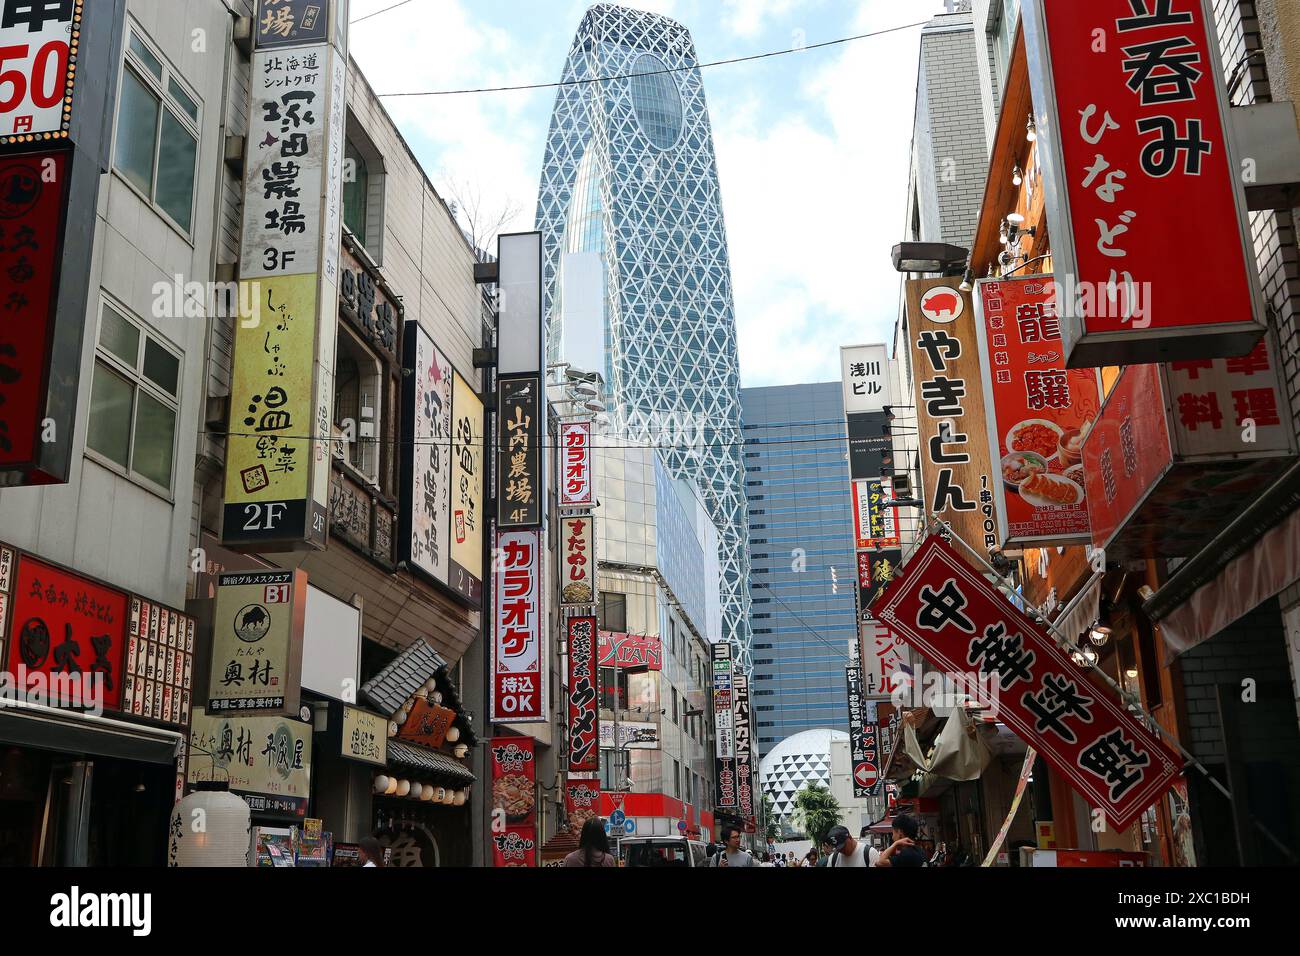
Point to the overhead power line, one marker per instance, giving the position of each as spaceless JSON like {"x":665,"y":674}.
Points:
{"x":378,"y":12}
{"x":677,"y":69}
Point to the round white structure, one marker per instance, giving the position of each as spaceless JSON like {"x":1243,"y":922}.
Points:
{"x":796,"y":762}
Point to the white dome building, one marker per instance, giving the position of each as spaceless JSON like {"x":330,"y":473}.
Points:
{"x":796,"y":762}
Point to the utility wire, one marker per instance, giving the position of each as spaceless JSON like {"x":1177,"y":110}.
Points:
{"x":676,"y":69}
{"x":378,"y":12}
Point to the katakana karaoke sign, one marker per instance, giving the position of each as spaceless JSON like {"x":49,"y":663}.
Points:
{"x":576,"y":487}
{"x":950,"y":614}
{"x":1131,"y":100}
{"x":518,"y":690}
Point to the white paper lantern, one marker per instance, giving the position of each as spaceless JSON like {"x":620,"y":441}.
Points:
{"x":437,"y":697}
{"x":453,"y":734}
{"x":401,"y":716}
{"x":392,"y":728}
{"x":223,"y":837}
{"x":450,"y":798}
{"x":431,"y":685}
{"x":403,"y":787}
{"x":417,"y":791}
{"x":392,"y":787}
{"x":428,"y":793}
{"x":439,"y":794}
{"x":381,"y":784}
{"x":461,"y":797}
{"x":460,"y":751}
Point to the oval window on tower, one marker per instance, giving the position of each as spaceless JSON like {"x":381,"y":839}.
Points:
{"x":657,"y":102}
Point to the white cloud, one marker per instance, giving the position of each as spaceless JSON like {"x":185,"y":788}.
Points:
{"x":814,"y":202}
{"x":748,"y":18}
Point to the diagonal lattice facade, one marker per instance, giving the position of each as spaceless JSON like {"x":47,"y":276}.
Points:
{"x":629,"y":172}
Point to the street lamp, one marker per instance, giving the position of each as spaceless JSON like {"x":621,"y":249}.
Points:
{"x":938,"y":257}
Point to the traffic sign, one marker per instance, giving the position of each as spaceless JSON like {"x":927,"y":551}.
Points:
{"x":629,"y":826}
{"x":617,"y":817}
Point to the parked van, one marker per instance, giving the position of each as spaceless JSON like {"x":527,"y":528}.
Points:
{"x":662,"y":851}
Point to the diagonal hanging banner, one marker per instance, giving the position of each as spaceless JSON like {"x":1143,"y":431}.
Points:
{"x":951,"y":615}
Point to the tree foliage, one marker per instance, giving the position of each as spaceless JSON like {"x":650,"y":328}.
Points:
{"x":815,"y":811}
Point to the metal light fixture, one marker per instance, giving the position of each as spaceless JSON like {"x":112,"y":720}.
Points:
{"x":1004,"y":233}
{"x":1031,"y":130}
{"x":967,"y":281}
{"x":1099,"y":634}
{"x":938,"y":257}
{"x":1017,"y":177}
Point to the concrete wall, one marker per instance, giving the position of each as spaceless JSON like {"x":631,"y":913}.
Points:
{"x":103,"y":523}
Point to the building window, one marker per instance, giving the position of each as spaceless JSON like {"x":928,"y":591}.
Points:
{"x":157,"y":133}
{"x":358,"y":381}
{"x":356,"y":192}
{"x":613,"y":611}
{"x":134,"y":400}
{"x":613,"y":688}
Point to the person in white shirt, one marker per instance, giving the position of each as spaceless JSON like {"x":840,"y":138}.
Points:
{"x":848,"y":851}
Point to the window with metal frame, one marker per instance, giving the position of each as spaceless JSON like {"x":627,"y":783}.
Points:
{"x":158,"y":123}
{"x":134,"y":399}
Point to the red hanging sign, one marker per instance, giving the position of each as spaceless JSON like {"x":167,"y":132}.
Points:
{"x":581,"y":803}
{"x":1133,"y":117}
{"x":584,"y":714}
{"x":1038,"y":413}
{"x":518,"y":691}
{"x":950,"y":614}
{"x":576,"y":486}
{"x":516,"y":846}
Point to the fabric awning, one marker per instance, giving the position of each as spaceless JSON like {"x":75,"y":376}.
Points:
{"x":67,"y":731}
{"x":423,"y":760}
{"x":1242,"y":585}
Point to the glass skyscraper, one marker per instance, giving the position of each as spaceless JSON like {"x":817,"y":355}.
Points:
{"x":629,"y":175}
{"x":804,"y":570}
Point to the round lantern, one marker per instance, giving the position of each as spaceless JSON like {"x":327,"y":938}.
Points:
{"x":417,"y":791}
{"x":437,"y":697}
{"x":431,"y":685}
{"x":221,"y":839}
{"x":453,"y":734}
{"x":428,"y":793}
{"x":460,"y":751}
{"x":392,"y":728}
{"x":403,"y":787}
{"x":401,"y":716}
{"x":381,"y":784}
{"x":450,"y":798}
{"x":439,"y":794}
{"x":461,"y":797}
{"x":392,"y":787}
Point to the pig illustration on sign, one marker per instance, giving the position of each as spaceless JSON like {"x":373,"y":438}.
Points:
{"x":942,"y":305}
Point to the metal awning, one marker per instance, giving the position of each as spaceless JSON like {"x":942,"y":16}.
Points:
{"x":68,"y":731}
{"x":426,"y":761}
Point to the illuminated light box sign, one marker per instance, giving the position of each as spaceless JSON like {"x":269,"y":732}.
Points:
{"x":1137,"y":153}
{"x":1180,"y":449}
{"x":39,"y":48}
{"x":1038,"y":413}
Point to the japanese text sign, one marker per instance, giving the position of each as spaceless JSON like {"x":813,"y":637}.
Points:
{"x":284,"y":23}
{"x":67,"y":636}
{"x":723,"y":722}
{"x":519,"y":451}
{"x":39,"y":45}
{"x":957,"y":472}
{"x":159,"y":663}
{"x":865,"y":375}
{"x":578,"y":561}
{"x":257,"y":637}
{"x":365,"y":736}
{"x":266,"y":760}
{"x":581,"y":803}
{"x":876,"y":568}
{"x":427,"y":723}
{"x":32,"y":197}
{"x":1038,"y":413}
{"x":576,"y":486}
{"x":1136,"y":144}
{"x":514,"y":800}
{"x":874,"y":524}
{"x":862,"y":736}
{"x":425,"y":524}
{"x":517,"y":686}
{"x":742,"y":731}
{"x":884,"y":659}
{"x":584,"y":713}
{"x":954,"y":618}
{"x":368,"y":306}
{"x":467,"y":466}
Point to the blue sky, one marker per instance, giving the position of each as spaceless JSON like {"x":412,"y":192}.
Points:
{"x":812,"y":147}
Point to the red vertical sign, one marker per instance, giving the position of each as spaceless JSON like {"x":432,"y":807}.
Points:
{"x":517,"y":686}
{"x":1038,"y":412}
{"x":1134,"y":114}
{"x":514,"y":801}
{"x":584,"y":730}
{"x":32,"y":190}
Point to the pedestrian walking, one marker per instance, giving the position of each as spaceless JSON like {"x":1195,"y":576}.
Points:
{"x":903,"y":851}
{"x":731,"y":854}
{"x":593,"y":847}
{"x":848,"y":850}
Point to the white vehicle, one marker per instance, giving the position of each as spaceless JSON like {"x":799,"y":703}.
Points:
{"x":662,"y":851}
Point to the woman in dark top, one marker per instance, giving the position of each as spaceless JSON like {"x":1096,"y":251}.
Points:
{"x":593,"y":847}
